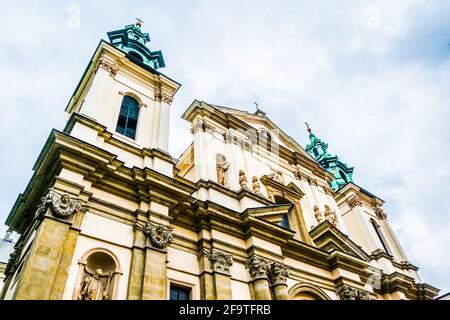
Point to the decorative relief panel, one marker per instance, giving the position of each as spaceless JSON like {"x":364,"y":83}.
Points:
{"x":160,"y":236}
{"x":346,"y":292}
{"x":62,"y":205}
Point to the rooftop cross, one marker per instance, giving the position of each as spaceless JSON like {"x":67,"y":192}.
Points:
{"x":139,"y":22}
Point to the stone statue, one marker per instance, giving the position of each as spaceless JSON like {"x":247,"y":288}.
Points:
{"x":330,"y":216}
{"x":255,"y":185}
{"x":222,"y":167}
{"x":278,"y":177}
{"x":93,"y":287}
{"x":318,"y":214}
{"x":242,"y":179}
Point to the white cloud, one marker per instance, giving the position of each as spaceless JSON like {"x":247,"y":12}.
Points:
{"x":354,"y":70}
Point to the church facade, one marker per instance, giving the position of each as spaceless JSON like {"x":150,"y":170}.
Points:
{"x":244,"y":213}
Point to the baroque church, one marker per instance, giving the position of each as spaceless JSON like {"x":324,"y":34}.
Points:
{"x":244,"y":213}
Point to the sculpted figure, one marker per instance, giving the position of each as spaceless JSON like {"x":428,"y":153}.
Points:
{"x":222,"y":166}
{"x":318,"y":214}
{"x":242,"y":179}
{"x":255,"y":185}
{"x":278,"y":177}
{"x":330,"y":216}
{"x":93,"y":288}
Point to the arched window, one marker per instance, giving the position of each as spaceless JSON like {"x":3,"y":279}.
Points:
{"x":128,"y":117}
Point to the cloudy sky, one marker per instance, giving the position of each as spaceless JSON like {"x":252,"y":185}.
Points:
{"x":371,"y":77}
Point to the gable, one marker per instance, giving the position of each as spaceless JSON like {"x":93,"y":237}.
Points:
{"x":327,"y":237}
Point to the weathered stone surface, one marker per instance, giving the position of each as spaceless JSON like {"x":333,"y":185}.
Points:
{"x":155,"y":276}
{"x":40,"y":276}
{"x":136,"y":274}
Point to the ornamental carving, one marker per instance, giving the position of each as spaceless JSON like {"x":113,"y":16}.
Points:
{"x":354,"y":201}
{"x":346,"y":292}
{"x":62,"y":206}
{"x":330,"y":216}
{"x":258,"y":267}
{"x":278,"y":274}
{"x":160,"y":236}
{"x":13,"y":263}
{"x":162,"y":96}
{"x":318,"y":214}
{"x":242,"y":179}
{"x":221,"y":261}
{"x":111,"y":67}
{"x":380,"y":214}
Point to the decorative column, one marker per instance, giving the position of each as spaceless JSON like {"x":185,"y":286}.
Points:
{"x":154,"y":284}
{"x":45,"y":270}
{"x":258,"y":268}
{"x":277,"y":275}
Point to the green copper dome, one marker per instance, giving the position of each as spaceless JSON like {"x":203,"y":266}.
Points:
{"x":133,"y":41}
{"x":342,"y":173}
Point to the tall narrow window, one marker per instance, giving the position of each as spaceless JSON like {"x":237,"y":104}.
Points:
{"x":265,"y":140}
{"x":380,"y":235}
{"x":179,"y":293}
{"x":128,"y":117}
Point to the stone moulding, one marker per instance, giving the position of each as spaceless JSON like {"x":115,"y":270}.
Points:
{"x":62,"y":205}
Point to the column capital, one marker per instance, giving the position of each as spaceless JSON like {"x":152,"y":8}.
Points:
{"x":221,"y":261}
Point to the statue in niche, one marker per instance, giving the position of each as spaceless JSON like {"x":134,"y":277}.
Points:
{"x":255,"y":185}
{"x":242,"y":179}
{"x":318,"y":214}
{"x":93,"y":286}
{"x":222,"y":167}
{"x":330,"y":216}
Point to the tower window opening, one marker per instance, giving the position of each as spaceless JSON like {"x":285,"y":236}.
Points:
{"x":128,"y":117}
{"x":381,"y":237}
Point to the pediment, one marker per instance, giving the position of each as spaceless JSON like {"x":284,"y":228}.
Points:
{"x":327,"y":237}
{"x":273,"y":213}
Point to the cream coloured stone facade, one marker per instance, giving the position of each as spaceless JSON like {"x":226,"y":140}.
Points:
{"x":152,"y":223}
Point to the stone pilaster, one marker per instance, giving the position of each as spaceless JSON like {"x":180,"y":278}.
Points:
{"x":258,"y":268}
{"x":278,"y":274}
{"x":221,"y":263}
{"x":154,"y":273}
{"x":45,"y":270}
{"x":137,"y":267}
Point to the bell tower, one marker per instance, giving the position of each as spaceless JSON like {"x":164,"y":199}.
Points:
{"x":122,"y":91}
{"x":317,"y":148}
